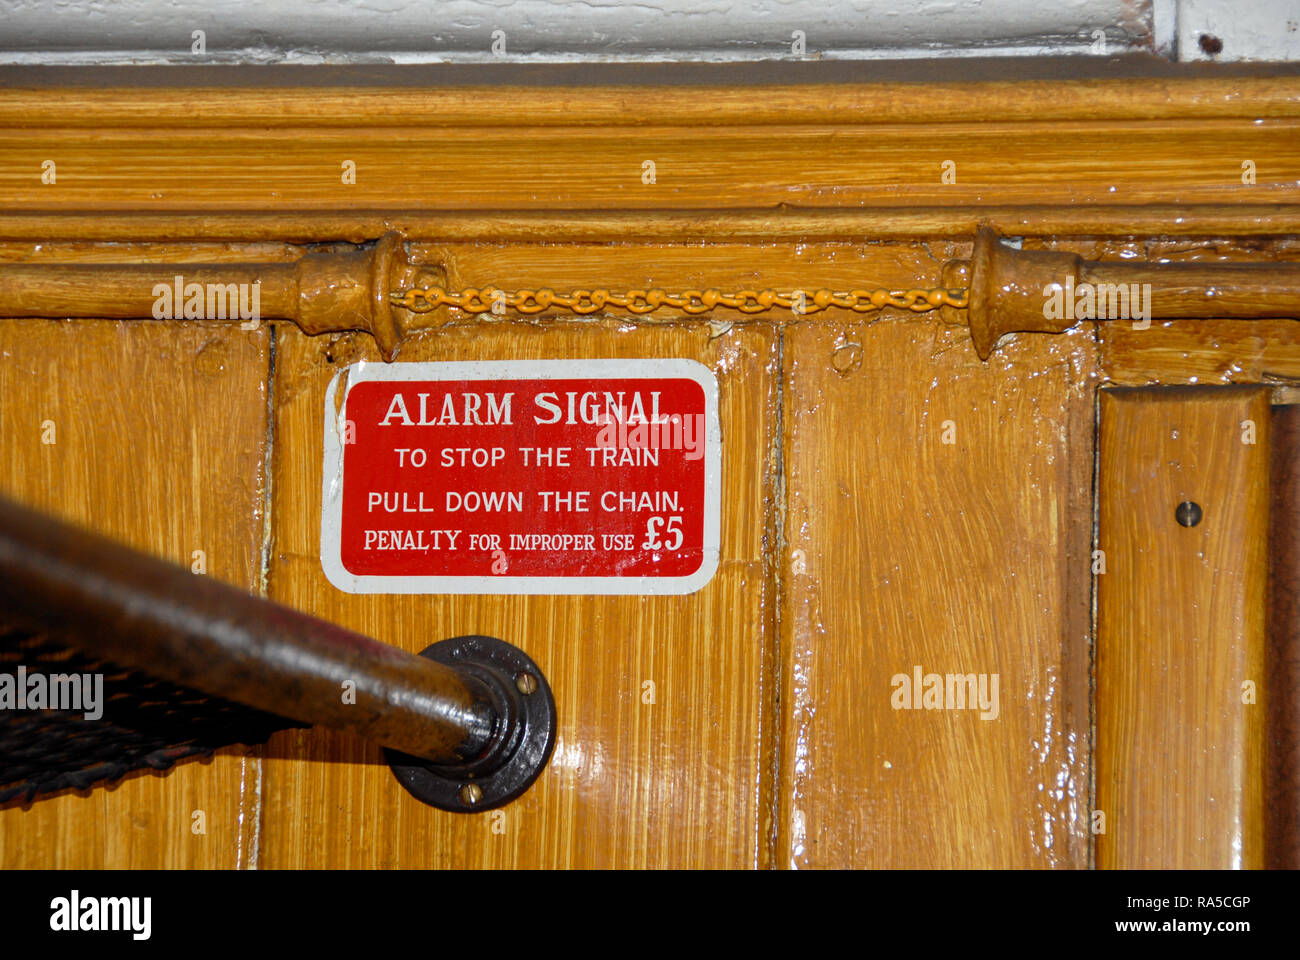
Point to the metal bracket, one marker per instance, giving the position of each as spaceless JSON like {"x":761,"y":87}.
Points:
{"x":520,"y":747}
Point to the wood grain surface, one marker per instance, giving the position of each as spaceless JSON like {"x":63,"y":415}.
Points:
{"x":677,"y":782}
{"x":1182,"y":628}
{"x":748,"y":166}
{"x":583,"y":148}
{"x":158,"y":437}
{"x":754,"y":225}
{"x":30,"y":101}
{"x":968,"y":557}
{"x":1209,"y":350}
{"x":857,"y":544}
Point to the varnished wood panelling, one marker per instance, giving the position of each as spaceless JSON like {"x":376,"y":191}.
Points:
{"x":158,"y":434}
{"x":1203,"y":351}
{"x":676,"y":783}
{"x":30,"y":103}
{"x":1181,"y":628}
{"x":879,"y":222}
{"x":727,"y":266}
{"x":534,"y":167}
{"x":766,"y":744}
{"x":960,"y":557}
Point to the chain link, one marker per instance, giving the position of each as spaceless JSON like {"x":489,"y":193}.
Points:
{"x":693,"y":302}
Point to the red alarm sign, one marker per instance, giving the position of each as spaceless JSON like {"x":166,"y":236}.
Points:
{"x":547,"y":476}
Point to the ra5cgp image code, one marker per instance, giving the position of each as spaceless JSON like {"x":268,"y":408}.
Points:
{"x":549,"y":476}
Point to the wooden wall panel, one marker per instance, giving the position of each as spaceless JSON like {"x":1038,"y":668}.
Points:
{"x":767,"y":745}
{"x":159,"y":432}
{"x":1181,"y":626}
{"x":1203,"y":351}
{"x":964,"y":557}
{"x":676,"y":783}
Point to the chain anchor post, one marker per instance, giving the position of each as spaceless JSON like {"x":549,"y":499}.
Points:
{"x":1010,"y":290}
{"x":321,"y":292}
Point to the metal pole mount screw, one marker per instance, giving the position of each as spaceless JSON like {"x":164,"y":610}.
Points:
{"x":520,"y":746}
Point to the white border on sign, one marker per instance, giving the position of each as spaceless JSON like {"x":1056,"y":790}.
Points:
{"x":630,"y":369}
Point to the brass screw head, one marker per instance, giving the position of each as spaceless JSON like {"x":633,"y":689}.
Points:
{"x":526,"y":683}
{"x":1188,"y":513}
{"x":471,"y":794}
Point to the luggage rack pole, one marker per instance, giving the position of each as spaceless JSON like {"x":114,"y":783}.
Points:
{"x":379,"y":290}
{"x":468,"y":724}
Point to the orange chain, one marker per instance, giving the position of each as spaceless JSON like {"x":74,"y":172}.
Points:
{"x":492,"y":299}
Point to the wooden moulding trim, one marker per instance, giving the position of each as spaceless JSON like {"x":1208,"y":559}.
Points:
{"x":660,"y":226}
{"x":703,"y":105}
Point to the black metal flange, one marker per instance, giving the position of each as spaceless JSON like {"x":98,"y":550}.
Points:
{"x":522,"y":741}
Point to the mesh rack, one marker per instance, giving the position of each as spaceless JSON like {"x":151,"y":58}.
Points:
{"x":146,"y":723}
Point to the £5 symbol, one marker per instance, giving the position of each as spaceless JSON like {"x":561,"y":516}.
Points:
{"x":671,"y":528}
{"x":499,"y":562}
